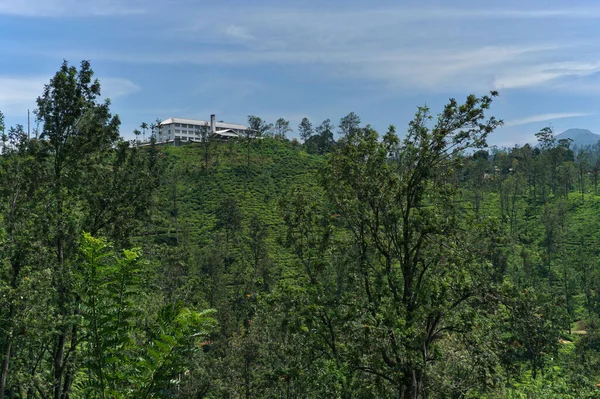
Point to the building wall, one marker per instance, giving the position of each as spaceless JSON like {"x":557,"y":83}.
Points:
{"x":188,"y":131}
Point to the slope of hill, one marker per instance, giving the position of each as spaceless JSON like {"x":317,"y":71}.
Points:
{"x":192,"y":194}
{"x":580,"y":137}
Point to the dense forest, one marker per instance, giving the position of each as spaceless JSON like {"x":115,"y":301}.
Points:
{"x":353,"y":264}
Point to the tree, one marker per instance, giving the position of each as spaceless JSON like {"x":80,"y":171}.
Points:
{"x":258,"y":126}
{"x":206,"y":136}
{"x":535,"y":322}
{"x":583,"y":165}
{"x":322,"y":142}
{"x":305,"y":129}
{"x":78,"y":129}
{"x":281,"y":128}
{"x":2,"y":128}
{"x":144,"y":126}
{"x":137,"y":133}
{"x":257,"y":234}
{"x":399,"y":203}
{"x":26,"y":300}
{"x":348,"y":124}
{"x":118,"y":358}
{"x":108,"y":285}
{"x":153,"y":131}
{"x":158,"y":126}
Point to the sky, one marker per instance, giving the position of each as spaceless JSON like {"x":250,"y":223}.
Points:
{"x":316,"y":59}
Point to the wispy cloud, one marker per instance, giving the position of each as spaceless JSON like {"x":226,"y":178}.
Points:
{"x":70,"y":8}
{"x":117,"y":87}
{"x":545,"y":117}
{"x":515,"y":13}
{"x":432,"y":49}
{"x":237,"y":32}
{"x":536,"y":75}
{"x":19,"y":94}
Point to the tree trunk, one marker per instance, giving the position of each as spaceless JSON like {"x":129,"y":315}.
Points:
{"x":5,"y":365}
{"x":9,"y":338}
{"x":59,"y":353}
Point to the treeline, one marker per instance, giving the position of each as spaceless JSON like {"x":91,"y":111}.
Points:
{"x":404,"y":266}
{"x":79,"y":317}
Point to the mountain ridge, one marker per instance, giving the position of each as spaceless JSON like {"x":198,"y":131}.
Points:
{"x":580,"y":137}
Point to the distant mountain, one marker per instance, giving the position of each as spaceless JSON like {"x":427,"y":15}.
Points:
{"x":580,"y":137}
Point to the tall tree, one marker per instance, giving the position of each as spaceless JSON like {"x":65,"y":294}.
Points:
{"x":78,"y":129}
{"x":322,"y":141}
{"x":2,"y":128}
{"x":258,"y":126}
{"x":348,"y":124}
{"x":25,"y":285}
{"x":206,"y":137}
{"x":153,"y":131}
{"x":305,"y":129}
{"x":137,"y":133}
{"x":3,"y":137}
{"x":144,"y":126}
{"x":406,"y":224}
{"x":158,"y":126}
{"x":583,"y":165}
{"x":281,"y":128}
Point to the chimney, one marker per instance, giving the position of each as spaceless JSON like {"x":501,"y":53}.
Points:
{"x":212,"y":124}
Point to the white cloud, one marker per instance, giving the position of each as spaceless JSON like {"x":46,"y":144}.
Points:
{"x":428,"y":49}
{"x":499,"y":13}
{"x":536,"y":75}
{"x":479,"y":68}
{"x":117,"y":87}
{"x":240,"y":33}
{"x":17,"y":94}
{"x":545,"y":117}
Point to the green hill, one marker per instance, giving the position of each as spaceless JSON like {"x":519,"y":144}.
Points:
{"x":191,"y":193}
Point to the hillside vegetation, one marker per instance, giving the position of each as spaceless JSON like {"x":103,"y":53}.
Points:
{"x":418,"y":264}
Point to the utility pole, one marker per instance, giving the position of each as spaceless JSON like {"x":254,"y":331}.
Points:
{"x":28,"y":125}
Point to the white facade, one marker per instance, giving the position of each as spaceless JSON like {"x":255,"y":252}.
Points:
{"x":192,"y":129}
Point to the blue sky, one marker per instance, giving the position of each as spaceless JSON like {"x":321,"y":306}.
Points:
{"x":320,"y":59}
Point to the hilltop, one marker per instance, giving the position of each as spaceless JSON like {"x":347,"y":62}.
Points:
{"x":580,"y":137}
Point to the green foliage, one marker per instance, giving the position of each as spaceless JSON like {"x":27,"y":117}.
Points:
{"x":108,"y":287}
{"x":119,"y":359}
{"x":305,"y":129}
{"x":373,"y":266}
{"x":258,"y":126}
{"x":167,"y":347}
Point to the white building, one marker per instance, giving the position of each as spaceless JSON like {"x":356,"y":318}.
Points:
{"x":180,"y":129}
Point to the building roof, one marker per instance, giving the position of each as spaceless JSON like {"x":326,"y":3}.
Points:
{"x":184,"y":120}
{"x":223,"y":125}
{"x":226,"y":133}
{"x":227,"y":125}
